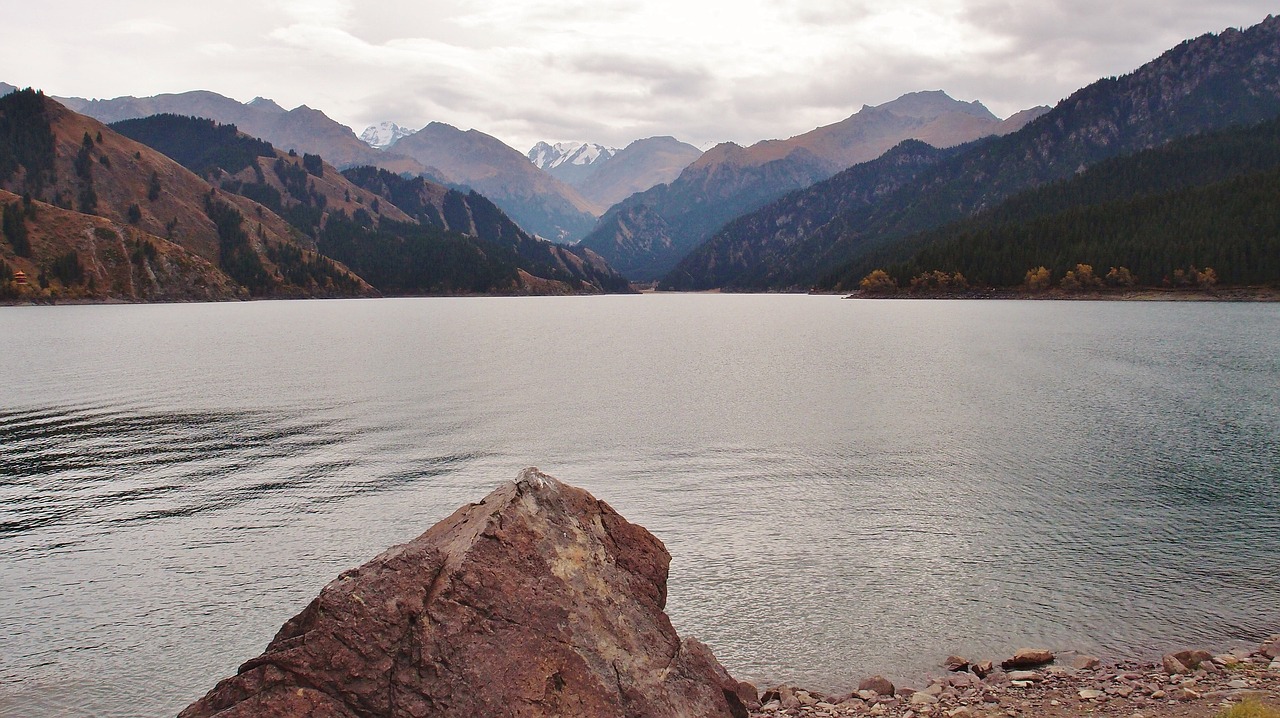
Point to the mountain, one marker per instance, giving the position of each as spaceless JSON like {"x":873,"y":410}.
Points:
{"x":63,"y":254}
{"x":645,"y":235}
{"x":6,"y":88}
{"x":637,"y":167}
{"x":441,"y":242}
{"x":606,"y":176}
{"x":794,"y":216}
{"x":430,"y":204}
{"x":109,"y":217}
{"x":301,"y":189}
{"x":1208,"y":83}
{"x":570,"y":162}
{"x":301,"y":129}
{"x":383,"y":134}
{"x":1209,"y":200}
{"x":534,"y":199}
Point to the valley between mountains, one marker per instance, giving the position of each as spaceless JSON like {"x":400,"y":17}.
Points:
{"x":1164,"y":178}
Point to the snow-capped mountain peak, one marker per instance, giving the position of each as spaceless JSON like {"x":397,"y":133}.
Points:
{"x":549,"y":156}
{"x":384,"y":134}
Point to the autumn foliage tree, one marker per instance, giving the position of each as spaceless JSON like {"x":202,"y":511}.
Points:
{"x":1079,"y":279}
{"x":878,"y":281}
{"x":1120,"y":277}
{"x":1037,"y":279}
{"x":1191,"y":277}
{"x":938,"y":281}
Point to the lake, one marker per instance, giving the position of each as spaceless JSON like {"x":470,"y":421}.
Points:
{"x":846,"y":487}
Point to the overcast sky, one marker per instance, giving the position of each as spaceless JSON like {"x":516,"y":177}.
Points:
{"x":608,"y":71}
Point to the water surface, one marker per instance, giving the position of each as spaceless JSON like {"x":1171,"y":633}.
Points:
{"x":844,"y":486}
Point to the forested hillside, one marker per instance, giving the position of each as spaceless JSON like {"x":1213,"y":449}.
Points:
{"x":442,"y":241}
{"x":105,"y":217}
{"x":1205,"y":201}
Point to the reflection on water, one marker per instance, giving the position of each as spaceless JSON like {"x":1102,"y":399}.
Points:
{"x":845,"y":487}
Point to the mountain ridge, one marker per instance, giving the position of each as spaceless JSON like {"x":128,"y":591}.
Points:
{"x":127,"y":197}
{"x":1208,"y":200}
{"x":239,"y":218}
{"x":302,"y":129}
{"x":1201,"y":84}
{"x":729,"y":180}
{"x":537,"y":201}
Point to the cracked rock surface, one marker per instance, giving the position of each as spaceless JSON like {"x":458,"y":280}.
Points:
{"x":538,"y":601}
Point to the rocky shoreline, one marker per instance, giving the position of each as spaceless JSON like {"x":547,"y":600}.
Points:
{"x":541,"y":601}
{"x":1149,"y":294}
{"x":1035,"y":682}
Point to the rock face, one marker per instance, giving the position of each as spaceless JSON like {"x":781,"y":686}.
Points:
{"x":538,"y":601}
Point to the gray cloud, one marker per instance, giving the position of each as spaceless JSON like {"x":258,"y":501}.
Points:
{"x":602,"y":70}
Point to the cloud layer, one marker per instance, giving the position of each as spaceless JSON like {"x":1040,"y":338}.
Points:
{"x":603,"y":70}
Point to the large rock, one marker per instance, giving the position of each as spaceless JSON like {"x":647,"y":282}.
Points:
{"x":538,"y":601}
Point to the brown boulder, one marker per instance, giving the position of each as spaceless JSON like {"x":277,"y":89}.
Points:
{"x":1028,"y":658}
{"x":1184,"y":661}
{"x":956,"y":663}
{"x":879,"y":685}
{"x":538,"y":601}
{"x":1172,"y":665}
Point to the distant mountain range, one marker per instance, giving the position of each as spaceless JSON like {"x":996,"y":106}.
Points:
{"x":645,"y":235}
{"x":569,"y":161}
{"x":174,"y":207}
{"x":384,"y":134}
{"x":825,"y":233}
{"x":606,"y":176}
{"x":921,"y":181}
{"x":544,"y":207}
{"x":301,"y":129}
{"x":537,"y":201}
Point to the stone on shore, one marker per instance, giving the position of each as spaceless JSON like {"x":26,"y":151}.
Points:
{"x":1173,"y":666}
{"x":1184,"y":662}
{"x":1083,"y":662}
{"x":1270,"y":647}
{"x":956,"y":663}
{"x":877,"y":684}
{"x":1028,"y":658}
{"x":538,"y":601}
